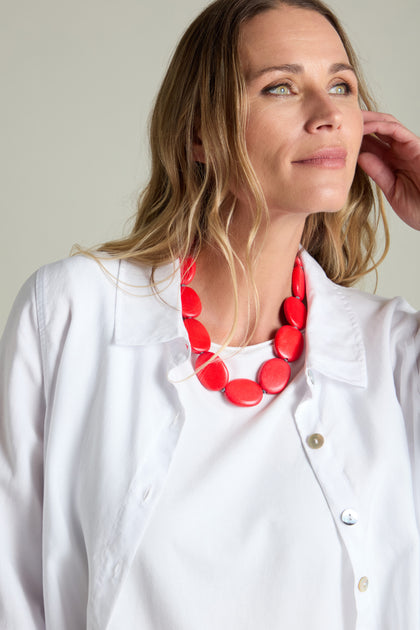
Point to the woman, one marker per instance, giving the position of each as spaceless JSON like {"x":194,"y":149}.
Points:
{"x":142,"y":485}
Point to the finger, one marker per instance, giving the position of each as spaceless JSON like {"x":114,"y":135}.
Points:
{"x":390,"y":130}
{"x":378,"y":171}
{"x":403,"y":145}
{"x":372,"y":144}
{"x":378,"y":116}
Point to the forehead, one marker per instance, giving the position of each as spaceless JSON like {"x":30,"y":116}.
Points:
{"x":289,"y":35}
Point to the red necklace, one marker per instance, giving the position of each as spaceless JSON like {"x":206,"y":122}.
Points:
{"x":274,"y":374}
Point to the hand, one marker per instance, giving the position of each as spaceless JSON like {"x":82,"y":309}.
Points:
{"x":392,"y":159}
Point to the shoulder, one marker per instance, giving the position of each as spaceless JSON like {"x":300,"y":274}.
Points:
{"x":78,"y":274}
{"x":390,"y":333}
{"x":89,"y":280}
{"x":96,"y":275}
{"x":371,"y":312}
{"x":348,"y":326}
{"x":105,"y":298}
{"x":374,"y":312}
{"x":75,"y":293}
{"x":91,"y":288}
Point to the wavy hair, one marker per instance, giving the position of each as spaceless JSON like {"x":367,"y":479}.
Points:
{"x":187,"y":204}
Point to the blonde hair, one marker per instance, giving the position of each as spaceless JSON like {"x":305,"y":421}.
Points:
{"x":187,"y":204}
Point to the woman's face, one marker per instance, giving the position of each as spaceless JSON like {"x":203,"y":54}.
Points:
{"x":304,"y":126}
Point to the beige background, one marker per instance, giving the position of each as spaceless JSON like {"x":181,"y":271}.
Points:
{"x":78,"y":79}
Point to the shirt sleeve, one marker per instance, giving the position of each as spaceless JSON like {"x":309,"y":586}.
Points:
{"x":22,"y":411}
{"x":406,"y":361}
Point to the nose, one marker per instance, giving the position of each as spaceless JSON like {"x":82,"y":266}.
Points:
{"x":322,"y":113}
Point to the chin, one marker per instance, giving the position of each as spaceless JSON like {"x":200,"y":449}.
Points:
{"x":331,"y":208}
{"x":313,"y":199}
{"x":327,"y":201}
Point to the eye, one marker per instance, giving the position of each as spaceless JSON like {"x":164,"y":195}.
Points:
{"x":282,"y":89}
{"x":341,"y":89}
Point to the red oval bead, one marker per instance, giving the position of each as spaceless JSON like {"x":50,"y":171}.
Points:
{"x":187,"y":270}
{"x":288,"y":343}
{"x":244,"y":392}
{"x":274,"y":375}
{"x":198,"y":335}
{"x":298,"y":262}
{"x":215,"y":375}
{"x":295,"y":312}
{"x":191,"y":303}
{"x":298,"y":282}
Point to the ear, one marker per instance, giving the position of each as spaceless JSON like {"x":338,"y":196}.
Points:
{"x":198,"y":149}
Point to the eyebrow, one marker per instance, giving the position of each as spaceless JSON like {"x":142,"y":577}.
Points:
{"x":294,"y":68}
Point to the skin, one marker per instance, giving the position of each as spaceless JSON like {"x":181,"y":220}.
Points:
{"x":391,"y":157}
{"x":295,"y":114}
{"x":304,"y":134}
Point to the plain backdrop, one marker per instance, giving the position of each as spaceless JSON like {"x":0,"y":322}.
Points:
{"x":78,"y":81}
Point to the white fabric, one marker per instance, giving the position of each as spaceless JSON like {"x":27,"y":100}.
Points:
{"x":242,"y":526}
{"x":90,"y":424}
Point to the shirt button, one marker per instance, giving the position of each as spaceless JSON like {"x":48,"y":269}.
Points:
{"x":349,"y":517}
{"x":316,"y":440}
{"x":117,"y":570}
{"x":363,"y":584}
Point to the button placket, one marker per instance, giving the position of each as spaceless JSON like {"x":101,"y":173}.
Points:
{"x":315,"y":425}
{"x":314,"y":440}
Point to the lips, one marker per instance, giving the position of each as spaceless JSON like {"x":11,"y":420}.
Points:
{"x":327,"y":157}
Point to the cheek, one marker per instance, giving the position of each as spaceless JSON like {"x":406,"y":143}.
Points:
{"x":353,"y":134}
{"x":267,"y":140}
{"x":358,"y":128}
{"x":256,"y":133}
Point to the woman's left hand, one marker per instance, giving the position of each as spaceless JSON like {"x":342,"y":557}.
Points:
{"x":392,"y":159}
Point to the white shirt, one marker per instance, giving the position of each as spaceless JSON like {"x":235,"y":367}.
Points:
{"x":242,"y":525}
{"x":90,"y":423}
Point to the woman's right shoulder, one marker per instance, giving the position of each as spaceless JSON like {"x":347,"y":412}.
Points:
{"x":78,"y":287}
{"x":77,"y":275}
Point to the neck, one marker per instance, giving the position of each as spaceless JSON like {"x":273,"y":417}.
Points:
{"x":276,"y":249}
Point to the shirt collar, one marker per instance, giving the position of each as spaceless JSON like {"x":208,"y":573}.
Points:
{"x":334,"y":338}
{"x":334,"y":342}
